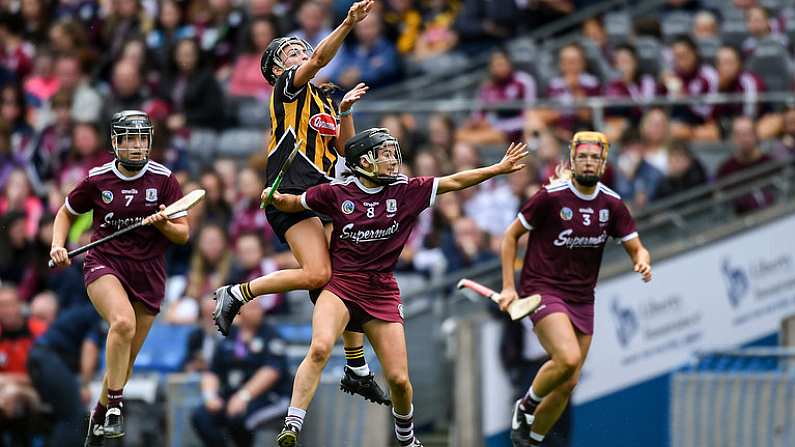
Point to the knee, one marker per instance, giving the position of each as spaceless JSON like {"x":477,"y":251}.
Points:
{"x":568,"y":386}
{"x":320,"y":351}
{"x":124,"y":327}
{"x":318,"y":277}
{"x":569,"y":362}
{"x":399,"y":381}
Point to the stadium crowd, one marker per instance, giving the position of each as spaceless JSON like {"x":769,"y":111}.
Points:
{"x":194,"y":65}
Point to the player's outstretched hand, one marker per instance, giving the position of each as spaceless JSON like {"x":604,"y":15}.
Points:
{"x":159,"y":216}
{"x":511,"y":162}
{"x":352,"y":96}
{"x":644,"y":269}
{"x":359,"y":11}
{"x":59,"y":257}
{"x":507,"y":296}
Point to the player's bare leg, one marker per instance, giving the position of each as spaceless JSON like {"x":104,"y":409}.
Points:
{"x":112,"y":303}
{"x":389,"y":342}
{"x":328,"y":321}
{"x":553,"y":405}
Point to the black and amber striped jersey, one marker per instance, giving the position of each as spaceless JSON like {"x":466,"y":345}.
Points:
{"x":309,"y":115}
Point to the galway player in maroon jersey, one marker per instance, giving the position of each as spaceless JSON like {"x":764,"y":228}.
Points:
{"x":125,"y":278}
{"x":569,"y":222}
{"x":373,"y":213}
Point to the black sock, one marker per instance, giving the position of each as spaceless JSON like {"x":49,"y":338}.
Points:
{"x":354,"y":357}
{"x":530,"y":401}
{"x":245,"y":290}
{"x":99,"y":412}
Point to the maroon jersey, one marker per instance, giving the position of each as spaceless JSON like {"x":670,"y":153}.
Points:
{"x":568,"y":232}
{"x":750,"y":86}
{"x":519,"y":86}
{"x":371,"y":225}
{"x":703,"y":81}
{"x":119,"y":201}
{"x":588,"y":85}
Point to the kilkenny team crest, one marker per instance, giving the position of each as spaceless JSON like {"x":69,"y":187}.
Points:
{"x":566,"y":213}
{"x":347,"y":207}
{"x":107,"y":196}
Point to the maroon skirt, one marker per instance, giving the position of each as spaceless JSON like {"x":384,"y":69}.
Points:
{"x":144,"y":281}
{"x":368,"y":296}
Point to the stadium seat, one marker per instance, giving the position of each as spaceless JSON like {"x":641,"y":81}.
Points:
{"x":772,"y":63}
{"x":252,"y":112}
{"x":241,"y":142}
{"x":676,"y":24}
{"x":165,"y":349}
{"x":733,"y":32}
{"x":650,"y":54}
{"x":202,"y":144}
{"x":708,"y":48}
{"x":618,"y":26}
{"x":598,"y":64}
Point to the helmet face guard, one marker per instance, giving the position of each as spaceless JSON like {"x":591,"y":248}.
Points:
{"x":380,"y":151}
{"x":588,"y":137}
{"x":124,"y":126}
{"x":275,"y":55}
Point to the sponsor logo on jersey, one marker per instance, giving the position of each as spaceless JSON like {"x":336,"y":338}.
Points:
{"x":347,"y":207}
{"x":119,"y":223}
{"x":129,"y":191}
{"x":151,"y":194}
{"x":586,"y":210}
{"x":324,"y":124}
{"x":391,"y":205}
{"x":107,"y":196}
{"x":369,"y":235}
{"x":566,"y":213}
{"x":565,"y":239}
{"x":604,"y":215}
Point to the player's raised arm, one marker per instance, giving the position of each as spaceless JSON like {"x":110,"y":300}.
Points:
{"x":511,"y":162}
{"x":328,"y":47}
{"x":287,"y":203}
{"x":346,"y":127}
{"x":640,"y":257}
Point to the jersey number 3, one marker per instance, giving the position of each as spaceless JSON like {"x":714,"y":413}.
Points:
{"x":586,"y":219}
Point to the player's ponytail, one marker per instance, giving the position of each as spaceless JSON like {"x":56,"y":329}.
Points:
{"x":329,"y":87}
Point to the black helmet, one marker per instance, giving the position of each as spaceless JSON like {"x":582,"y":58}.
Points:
{"x":366,"y":145}
{"x":272,"y":56}
{"x":131,"y":122}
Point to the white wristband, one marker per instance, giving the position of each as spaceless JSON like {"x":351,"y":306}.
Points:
{"x":209,"y":395}
{"x":244,"y":395}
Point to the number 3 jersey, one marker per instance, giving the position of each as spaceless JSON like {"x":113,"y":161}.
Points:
{"x":568,"y":232}
{"x":371,"y":225}
{"x":119,"y":201}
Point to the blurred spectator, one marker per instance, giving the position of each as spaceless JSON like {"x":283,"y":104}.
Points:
{"x":372,"y":59}
{"x":216,"y":209}
{"x":655,"y":133}
{"x":87,"y":152}
{"x":705,"y":26}
{"x":637,"y":179}
{"x":169,"y":29}
{"x":246,"y":76}
{"x":68,"y":36}
{"x":247,"y":385}
{"x":251,"y":263}
{"x":13,"y":112}
{"x":211,"y":262}
{"x":746,"y":156}
{"x":42,"y":83}
{"x":126,"y":21}
{"x":541,"y":12}
{"x":440,"y":137}
{"x":481,"y":24}
{"x":690,"y":77}
{"x":221,"y":37}
{"x":313,"y":21}
{"x":247,"y":215}
{"x":203,"y":340}
{"x":785,"y":144}
{"x":18,"y":399}
{"x":504,"y":84}
{"x":62,"y":364}
{"x":685,"y":171}
{"x":757,"y":21}
{"x":467,"y":246}
{"x":493,"y":207}
{"x":86,"y":102}
{"x":593,"y":30}
{"x":35,"y":14}
{"x":402,"y":25}
{"x":574,"y":83}
{"x":631,"y":83}
{"x":196,"y":97}
{"x":52,"y":144}
{"x":17,"y":196}
{"x":733,"y":79}
{"x":438,"y":35}
{"x":16,"y":249}
{"x":44,"y":307}
{"x":16,"y":55}
{"x":127,"y":90}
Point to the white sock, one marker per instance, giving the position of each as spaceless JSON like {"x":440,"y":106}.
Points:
{"x":295,"y":417}
{"x":538,"y":438}
{"x":532,"y":393}
{"x":237,"y":293}
{"x":361,"y":371}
